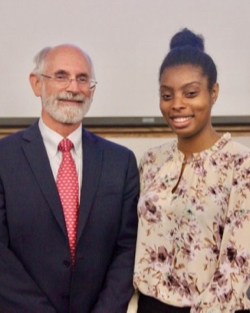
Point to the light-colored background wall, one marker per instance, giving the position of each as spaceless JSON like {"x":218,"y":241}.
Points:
{"x":127,"y":41}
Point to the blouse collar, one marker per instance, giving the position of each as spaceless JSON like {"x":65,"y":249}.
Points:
{"x":219,"y":144}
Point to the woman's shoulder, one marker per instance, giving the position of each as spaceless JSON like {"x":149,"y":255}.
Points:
{"x":228,"y":147}
{"x":159,"y":154}
{"x":236,"y":149}
{"x":153,"y":160}
{"x":236,"y":154}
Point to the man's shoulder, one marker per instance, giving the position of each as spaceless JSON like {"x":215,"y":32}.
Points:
{"x":11,"y":139}
{"x":15,"y":140}
{"x":10,"y":149}
{"x":105,"y":143}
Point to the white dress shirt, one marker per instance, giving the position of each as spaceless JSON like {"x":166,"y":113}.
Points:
{"x":51,"y":140}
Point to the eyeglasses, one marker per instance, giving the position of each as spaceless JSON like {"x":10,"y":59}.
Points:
{"x":64,"y":81}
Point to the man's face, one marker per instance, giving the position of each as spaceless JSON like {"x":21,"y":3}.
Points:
{"x":67,"y":105}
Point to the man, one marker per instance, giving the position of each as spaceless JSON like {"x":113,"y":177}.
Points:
{"x":65,"y":250}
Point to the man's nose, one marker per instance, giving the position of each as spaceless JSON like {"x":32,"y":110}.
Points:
{"x":73,"y":86}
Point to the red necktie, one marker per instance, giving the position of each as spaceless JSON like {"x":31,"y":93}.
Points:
{"x":67,"y":184}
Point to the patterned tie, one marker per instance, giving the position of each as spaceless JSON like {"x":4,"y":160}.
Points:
{"x":67,"y":184}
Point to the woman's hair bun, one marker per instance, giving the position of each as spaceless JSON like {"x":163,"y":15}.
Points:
{"x":187,"y":38}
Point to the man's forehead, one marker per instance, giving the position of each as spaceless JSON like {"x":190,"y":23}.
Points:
{"x":65,"y":57}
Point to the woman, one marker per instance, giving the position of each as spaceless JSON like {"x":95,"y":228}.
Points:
{"x":193,"y":248}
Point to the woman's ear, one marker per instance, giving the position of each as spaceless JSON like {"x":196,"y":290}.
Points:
{"x":215,"y":92}
{"x":36,"y":84}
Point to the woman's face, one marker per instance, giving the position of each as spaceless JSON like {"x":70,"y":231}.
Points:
{"x":185,"y":100}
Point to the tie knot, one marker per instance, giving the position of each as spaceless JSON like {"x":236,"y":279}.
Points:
{"x":65,"y":145}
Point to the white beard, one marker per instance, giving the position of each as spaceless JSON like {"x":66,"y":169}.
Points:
{"x":66,"y":113}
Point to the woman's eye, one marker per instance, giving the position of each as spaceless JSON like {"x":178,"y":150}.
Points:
{"x":166,"y":97}
{"x":191,"y":94}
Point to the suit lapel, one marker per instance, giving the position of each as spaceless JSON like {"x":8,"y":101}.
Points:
{"x":92,"y":163}
{"x":36,"y":155}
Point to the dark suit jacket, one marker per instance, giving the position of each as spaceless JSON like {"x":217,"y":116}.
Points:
{"x":35,"y":270}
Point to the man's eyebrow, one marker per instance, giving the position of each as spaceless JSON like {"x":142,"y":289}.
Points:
{"x":82,"y":74}
{"x":61,"y":72}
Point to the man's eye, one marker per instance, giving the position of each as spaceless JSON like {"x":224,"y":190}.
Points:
{"x":61,"y":77}
{"x":82,"y":79}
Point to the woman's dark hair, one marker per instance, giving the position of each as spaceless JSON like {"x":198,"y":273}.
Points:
{"x":188,"y":48}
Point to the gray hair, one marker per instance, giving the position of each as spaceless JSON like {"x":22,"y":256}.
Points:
{"x":40,"y":61}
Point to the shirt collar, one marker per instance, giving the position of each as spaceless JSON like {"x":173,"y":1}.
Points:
{"x":76,"y":138}
{"x":51,"y":138}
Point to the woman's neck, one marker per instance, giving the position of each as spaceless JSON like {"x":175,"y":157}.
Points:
{"x":197,"y":143}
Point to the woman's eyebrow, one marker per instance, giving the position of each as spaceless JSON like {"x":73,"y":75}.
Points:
{"x":165,"y":87}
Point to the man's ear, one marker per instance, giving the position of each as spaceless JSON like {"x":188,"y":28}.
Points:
{"x":92,"y":91}
{"x":36,"y":84}
{"x":90,"y":94}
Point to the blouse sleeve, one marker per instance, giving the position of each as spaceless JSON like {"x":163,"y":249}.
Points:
{"x":227,"y":290}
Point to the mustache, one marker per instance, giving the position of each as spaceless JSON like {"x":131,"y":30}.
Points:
{"x":70,"y":96}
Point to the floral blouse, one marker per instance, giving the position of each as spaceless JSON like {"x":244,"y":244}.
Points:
{"x":193,"y":247}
